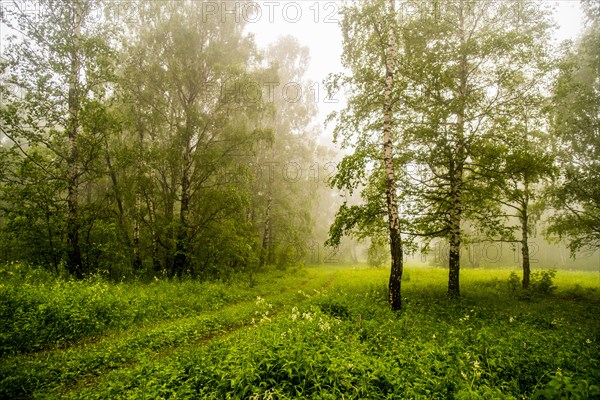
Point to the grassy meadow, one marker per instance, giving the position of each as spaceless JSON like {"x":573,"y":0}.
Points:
{"x":318,"y":333}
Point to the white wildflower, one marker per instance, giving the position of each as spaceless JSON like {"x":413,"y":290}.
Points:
{"x":265,"y":318}
{"x":307,"y":316}
{"x":323,"y":325}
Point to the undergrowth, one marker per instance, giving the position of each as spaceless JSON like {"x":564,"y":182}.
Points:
{"x":330,"y":335}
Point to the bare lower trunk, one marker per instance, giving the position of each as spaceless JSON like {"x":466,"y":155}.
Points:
{"x":157,"y":267}
{"x":267,"y":239}
{"x":525,"y":239}
{"x":181,"y":261}
{"x":395,"y":283}
{"x":455,"y":239}
{"x":526,"y":265}
{"x":137,"y":259}
{"x":391,"y":198}
{"x":118,"y":197}
{"x":169,"y":233}
{"x":454,"y":254}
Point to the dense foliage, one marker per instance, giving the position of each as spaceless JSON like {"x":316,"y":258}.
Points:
{"x":133,"y":146}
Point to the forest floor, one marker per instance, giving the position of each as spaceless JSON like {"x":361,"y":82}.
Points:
{"x":321,"y":333}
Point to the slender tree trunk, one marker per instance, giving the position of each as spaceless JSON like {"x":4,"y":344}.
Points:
{"x":74,"y":262}
{"x":266,"y":243}
{"x":157,"y":267}
{"x":455,"y":235}
{"x":169,"y":234}
{"x":119,"y":198}
{"x":391,"y":198}
{"x":525,"y":237}
{"x":53,"y":253}
{"x":115,"y":183}
{"x":137,"y":259}
{"x":181,"y":262}
{"x":353,"y":255}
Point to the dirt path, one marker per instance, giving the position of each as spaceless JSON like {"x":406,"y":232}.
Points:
{"x":126,"y":350}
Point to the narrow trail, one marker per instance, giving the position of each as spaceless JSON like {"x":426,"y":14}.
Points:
{"x":229,"y":330}
{"x":125,"y":350}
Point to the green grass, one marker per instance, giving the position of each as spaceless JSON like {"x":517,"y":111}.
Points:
{"x":322,"y":333}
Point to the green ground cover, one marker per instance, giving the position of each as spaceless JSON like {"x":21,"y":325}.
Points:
{"x":322,"y":333}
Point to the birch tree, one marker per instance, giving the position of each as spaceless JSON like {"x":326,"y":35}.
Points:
{"x":368,"y":124}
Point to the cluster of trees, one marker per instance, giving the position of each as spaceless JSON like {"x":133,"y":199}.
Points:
{"x":154,"y":144}
{"x":465,"y":126}
{"x":164,"y":143}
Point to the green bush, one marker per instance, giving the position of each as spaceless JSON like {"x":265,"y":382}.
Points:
{"x":514,"y":282}
{"x":541,"y":283}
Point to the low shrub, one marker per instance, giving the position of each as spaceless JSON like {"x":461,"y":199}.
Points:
{"x":541,"y":283}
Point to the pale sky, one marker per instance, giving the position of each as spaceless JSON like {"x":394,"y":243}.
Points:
{"x":314,"y":23}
